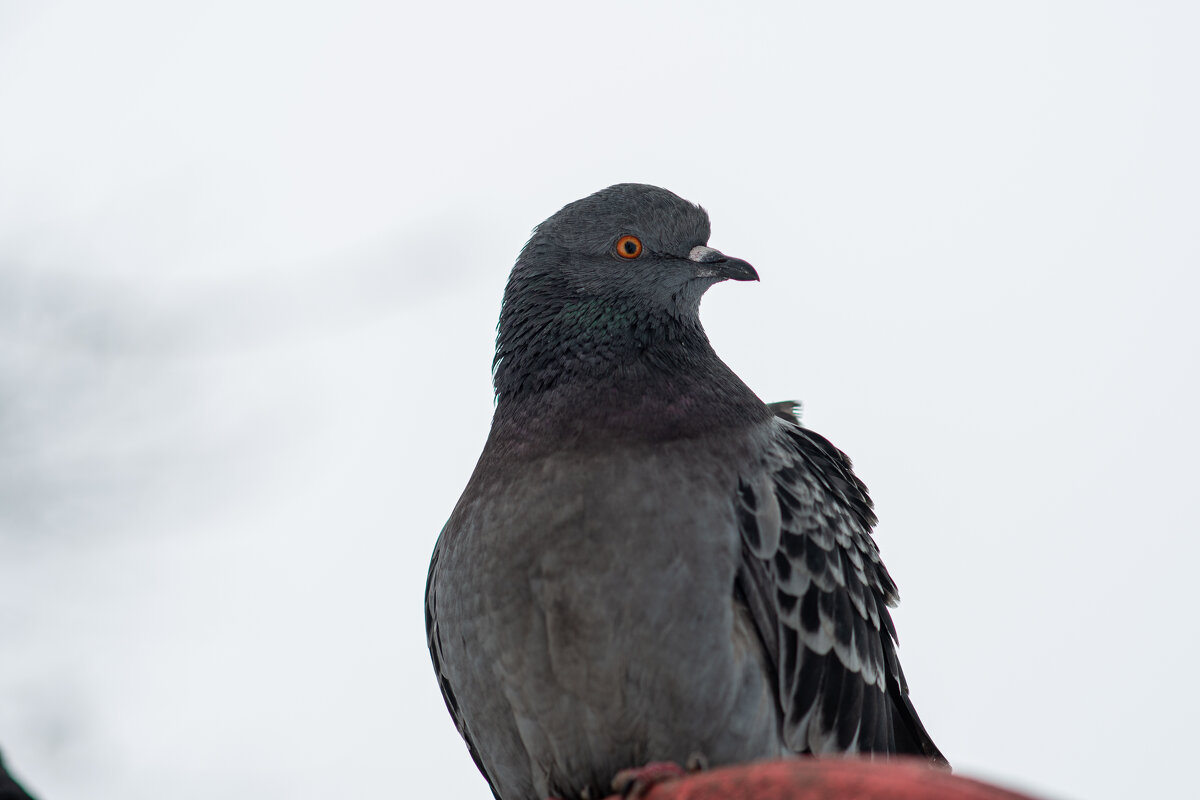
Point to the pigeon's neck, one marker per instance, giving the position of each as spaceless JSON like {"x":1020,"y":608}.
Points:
{"x":608,"y":369}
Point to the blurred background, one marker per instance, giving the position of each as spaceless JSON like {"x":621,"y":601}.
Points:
{"x":251,"y":260}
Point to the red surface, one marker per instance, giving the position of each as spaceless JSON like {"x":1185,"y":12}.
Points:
{"x":828,"y":779}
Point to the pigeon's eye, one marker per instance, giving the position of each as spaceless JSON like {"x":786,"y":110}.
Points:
{"x":629,"y":247}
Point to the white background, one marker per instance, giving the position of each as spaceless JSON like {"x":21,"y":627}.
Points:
{"x":251,"y":259}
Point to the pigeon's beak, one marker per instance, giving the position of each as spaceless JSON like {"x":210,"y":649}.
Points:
{"x":720,"y":266}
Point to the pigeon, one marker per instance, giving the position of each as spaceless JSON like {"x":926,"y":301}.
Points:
{"x":649,"y":563}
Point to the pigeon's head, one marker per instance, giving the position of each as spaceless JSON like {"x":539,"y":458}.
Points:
{"x":609,"y":280}
{"x":633,"y":243}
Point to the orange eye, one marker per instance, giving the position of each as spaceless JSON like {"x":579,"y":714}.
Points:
{"x":629,"y":247}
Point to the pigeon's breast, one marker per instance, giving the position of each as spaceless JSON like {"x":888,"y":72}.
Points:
{"x":592,"y":594}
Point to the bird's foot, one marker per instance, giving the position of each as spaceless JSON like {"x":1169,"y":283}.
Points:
{"x":635,"y":783}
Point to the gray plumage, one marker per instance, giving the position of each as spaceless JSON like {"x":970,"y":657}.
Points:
{"x":648,"y":561}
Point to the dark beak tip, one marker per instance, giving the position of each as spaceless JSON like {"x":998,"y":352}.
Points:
{"x":721,"y":266}
{"x":741,"y":271}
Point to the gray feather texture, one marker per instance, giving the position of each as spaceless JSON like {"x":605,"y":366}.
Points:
{"x":648,"y":561}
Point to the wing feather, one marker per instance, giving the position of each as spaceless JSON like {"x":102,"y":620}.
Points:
{"x":819,"y":595}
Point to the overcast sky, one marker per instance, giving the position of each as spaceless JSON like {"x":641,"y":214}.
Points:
{"x":251,"y":259}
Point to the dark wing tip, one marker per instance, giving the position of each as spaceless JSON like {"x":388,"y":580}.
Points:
{"x":911,"y":736}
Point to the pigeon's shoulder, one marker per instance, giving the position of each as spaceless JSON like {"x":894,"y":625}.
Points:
{"x":813,"y":580}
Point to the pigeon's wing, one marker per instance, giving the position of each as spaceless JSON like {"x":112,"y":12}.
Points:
{"x":813,"y":582}
{"x":435,"y":651}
